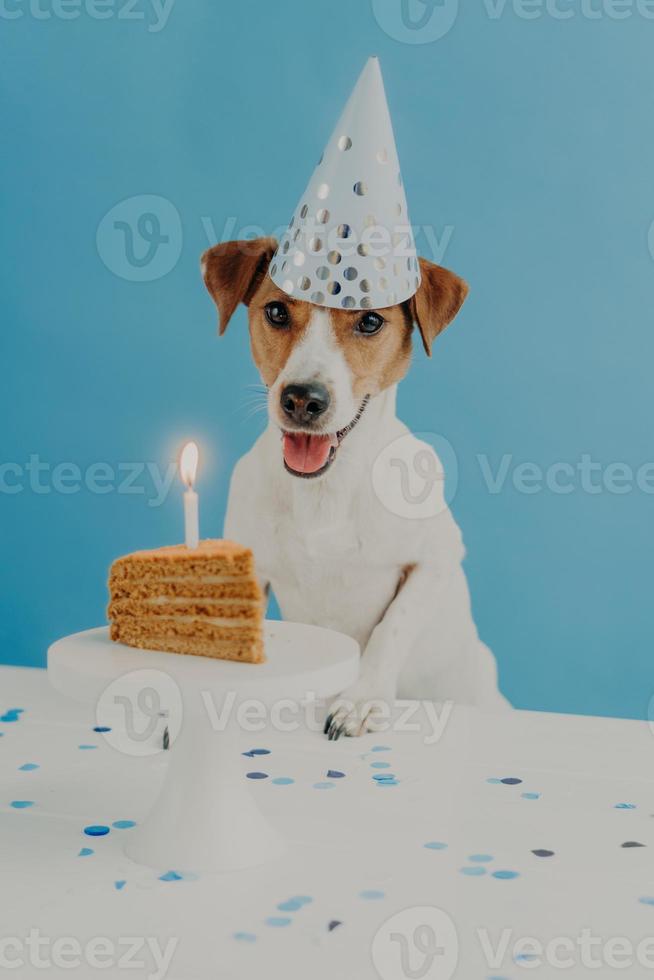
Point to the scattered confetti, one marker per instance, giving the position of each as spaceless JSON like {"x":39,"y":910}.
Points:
{"x":302,"y":899}
{"x":333,"y":924}
{"x":541,"y":852}
{"x":625,"y":806}
{"x":473,"y":872}
{"x":530,"y":796}
{"x":28,"y":767}
{"x":507,"y":875}
{"x":291,"y":905}
{"x":380,"y":765}
{"x":87,"y":747}
{"x":123,"y":824}
{"x":251,"y":753}
{"x":335,"y":774}
{"x":96,"y":830}
{"x":647,"y":900}
{"x":380,"y":748}
{"x":102,"y":728}
{"x":119,"y":885}
{"x":324,"y":785}
{"x":86,"y":852}
{"x":494,"y":779}
{"x":170,"y":876}
{"x":257,"y":775}
{"x":283,"y":780}
{"x":511,"y":781}
{"x":12,"y":715}
{"x":371,"y":895}
{"x":245,"y":937}
{"x":435,"y":845}
{"x":632,"y":843}
{"x":480,"y":858}
{"x":278,"y":921}
{"x":21,"y":804}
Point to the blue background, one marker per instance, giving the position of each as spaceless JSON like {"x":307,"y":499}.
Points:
{"x":531,"y":138}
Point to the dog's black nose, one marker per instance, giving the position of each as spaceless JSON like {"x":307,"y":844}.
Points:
{"x":304,"y":404}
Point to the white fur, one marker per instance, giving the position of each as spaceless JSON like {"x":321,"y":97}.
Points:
{"x":333,"y":553}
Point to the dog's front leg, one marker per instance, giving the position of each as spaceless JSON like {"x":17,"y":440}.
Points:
{"x":364,"y":706}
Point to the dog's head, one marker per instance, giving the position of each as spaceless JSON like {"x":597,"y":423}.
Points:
{"x":322,"y":365}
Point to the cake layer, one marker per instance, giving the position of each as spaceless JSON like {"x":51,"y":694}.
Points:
{"x":230,"y":610}
{"x":243,"y":645}
{"x":202,"y":587}
{"x":211,"y":557}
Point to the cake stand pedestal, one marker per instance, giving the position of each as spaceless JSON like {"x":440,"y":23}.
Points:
{"x":205,"y":818}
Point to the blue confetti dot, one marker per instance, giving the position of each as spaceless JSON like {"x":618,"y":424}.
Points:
{"x":170,"y":876}
{"x":382,"y":777}
{"x":123,"y":824}
{"x":646,"y":900}
{"x":511,"y":781}
{"x":494,"y":780}
{"x":86,"y":852}
{"x":302,"y":899}
{"x":435,"y":845}
{"x":21,"y":804}
{"x":102,"y":728}
{"x":625,"y":806}
{"x":473,"y":872}
{"x":335,"y":774}
{"x":283,"y":780}
{"x":9,"y":716}
{"x":324,"y":785}
{"x":257,"y":775}
{"x":245,"y":937}
{"x":380,"y":765}
{"x":96,"y":830}
{"x":87,"y":747}
{"x":506,"y":875}
{"x":530,"y":796}
{"x":480,"y":858}
{"x":371,"y":895}
{"x":278,"y":921}
{"x":291,"y":905}
{"x":388,"y":782}
{"x":119,"y":885}
{"x":28,"y":767}
{"x":251,"y":753}
{"x":380,"y":748}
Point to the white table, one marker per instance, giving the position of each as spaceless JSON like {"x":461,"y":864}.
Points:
{"x":357,"y":848}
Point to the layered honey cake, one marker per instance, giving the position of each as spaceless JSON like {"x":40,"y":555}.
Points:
{"x":204,"y":601}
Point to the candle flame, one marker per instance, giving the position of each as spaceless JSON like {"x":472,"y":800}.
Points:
{"x":188,"y":463}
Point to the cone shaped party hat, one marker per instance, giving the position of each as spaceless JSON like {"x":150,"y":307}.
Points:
{"x":350,"y":244}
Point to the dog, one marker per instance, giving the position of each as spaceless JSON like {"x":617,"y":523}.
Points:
{"x":332,"y":550}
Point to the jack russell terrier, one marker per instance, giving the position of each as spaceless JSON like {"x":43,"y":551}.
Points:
{"x":303,"y":500}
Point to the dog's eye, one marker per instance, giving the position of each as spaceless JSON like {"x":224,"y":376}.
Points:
{"x":369,"y":324}
{"x":277,"y":314}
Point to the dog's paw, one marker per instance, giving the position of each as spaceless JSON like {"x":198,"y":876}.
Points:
{"x":357,"y":711}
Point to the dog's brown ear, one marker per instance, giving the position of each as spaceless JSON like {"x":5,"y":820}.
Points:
{"x":233,"y":271}
{"x":439,"y":298}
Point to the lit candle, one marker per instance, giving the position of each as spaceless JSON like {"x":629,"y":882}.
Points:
{"x":188,"y":467}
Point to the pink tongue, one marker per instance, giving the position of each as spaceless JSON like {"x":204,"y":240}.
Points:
{"x":306,"y":453}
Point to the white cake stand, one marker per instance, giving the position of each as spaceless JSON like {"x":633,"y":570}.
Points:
{"x":205,"y":818}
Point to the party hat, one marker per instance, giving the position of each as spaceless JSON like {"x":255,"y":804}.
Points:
{"x":349,"y":244}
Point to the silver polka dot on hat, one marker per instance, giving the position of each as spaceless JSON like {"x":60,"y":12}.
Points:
{"x":349,"y":244}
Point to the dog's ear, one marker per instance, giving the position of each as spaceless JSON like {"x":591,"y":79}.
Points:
{"x":439,"y":298}
{"x":233,"y":271}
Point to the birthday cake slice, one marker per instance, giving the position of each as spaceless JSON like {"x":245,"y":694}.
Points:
{"x":204,"y":601}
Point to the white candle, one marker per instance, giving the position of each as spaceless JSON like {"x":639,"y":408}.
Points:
{"x":188,"y":466}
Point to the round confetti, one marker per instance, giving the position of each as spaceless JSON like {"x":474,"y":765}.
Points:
{"x":245,"y":937}
{"x":473,"y":872}
{"x":257,"y":775}
{"x":435,"y":845}
{"x":278,"y":921}
{"x":530,"y":796}
{"x":632,"y":843}
{"x":28,"y":767}
{"x":506,"y":875}
{"x":87,"y":747}
{"x":302,"y":899}
{"x":380,"y":748}
{"x":625,"y":806}
{"x":21,"y":804}
{"x":323,"y":785}
{"x":282,"y":780}
{"x":252,"y":752}
{"x":511,"y":781}
{"x":371,"y":895}
{"x":480,"y":858}
{"x":119,"y":885}
{"x":494,"y":780}
{"x":123,"y":824}
{"x":335,"y":774}
{"x":541,"y":852}
{"x":102,"y":728}
{"x":291,"y":905}
{"x":380,"y":765}
{"x":647,"y":900}
{"x":96,"y":830}
{"x":86,"y":852}
{"x":170,"y":876}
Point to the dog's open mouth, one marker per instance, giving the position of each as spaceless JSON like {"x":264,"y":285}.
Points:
{"x":309,"y":454}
